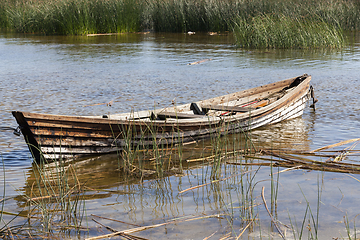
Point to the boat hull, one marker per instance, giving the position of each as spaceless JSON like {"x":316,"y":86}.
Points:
{"x":51,"y":137}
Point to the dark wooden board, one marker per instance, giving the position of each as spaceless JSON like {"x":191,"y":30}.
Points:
{"x":164,"y":115}
{"x":225,"y":108}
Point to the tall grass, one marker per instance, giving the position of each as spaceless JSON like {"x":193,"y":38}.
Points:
{"x":4,"y":192}
{"x":102,"y":16}
{"x":280,"y":31}
{"x":3,"y":14}
{"x":72,"y":17}
{"x":184,"y":15}
{"x":56,"y":198}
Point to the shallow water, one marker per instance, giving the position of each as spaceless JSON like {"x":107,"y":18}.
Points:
{"x":79,"y":75}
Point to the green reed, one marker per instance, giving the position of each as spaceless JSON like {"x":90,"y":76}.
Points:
{"x":103,"y":16}
{"x":349,"y":231}
{"x":4,"y":192}
{"x":3,"y":15}
{"x":183,"y":15}
{"x":55,"y":197}
{"x":74,"y":17}
{"x":280,"y":31}
{"x":309,"y":217}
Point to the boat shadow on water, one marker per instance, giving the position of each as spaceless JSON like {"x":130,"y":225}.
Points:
{"x":56,"y":192}
{"x":216,"y":178}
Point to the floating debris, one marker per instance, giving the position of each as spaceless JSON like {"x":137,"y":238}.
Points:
{"x":201,"y":61}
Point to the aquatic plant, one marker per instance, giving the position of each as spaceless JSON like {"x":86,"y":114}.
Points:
{"x":183,"y":16}
{"x":3,"y":195}
{"x":55,"y":197}
{"x":75,"y":17}
{"x":54,"y":193}
{"x":71,"y":17}
{"x":280,"y":31}
{"x":3,"y":15}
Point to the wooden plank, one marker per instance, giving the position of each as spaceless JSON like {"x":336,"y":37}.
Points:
{"x":261,"y":103}
{"x":226,"y":108}
{"x":164,"y":115}
{"x":74,"y":135}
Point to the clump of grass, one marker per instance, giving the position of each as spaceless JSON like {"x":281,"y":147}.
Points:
{"x":76,"y":17}
{"x":296,"y":24}
{"x":183,"y":15}
{"x":280,"y":31}
{"x":55,"y":197}
{"x":3,"y":15}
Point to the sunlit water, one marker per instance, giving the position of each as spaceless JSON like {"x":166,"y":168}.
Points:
{"x":79,"y":75}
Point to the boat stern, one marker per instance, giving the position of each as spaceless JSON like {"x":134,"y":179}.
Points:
{"x":28,"y":135}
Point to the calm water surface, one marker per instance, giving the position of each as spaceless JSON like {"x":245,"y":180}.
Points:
{"x":79,"y":75}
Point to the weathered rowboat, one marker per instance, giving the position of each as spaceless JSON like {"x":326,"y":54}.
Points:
{"x":55,"y":136}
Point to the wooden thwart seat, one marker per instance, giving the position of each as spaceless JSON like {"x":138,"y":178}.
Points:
{"x":234,"y":109}
{"x":164,"y":115}
{"x":226,"y":108}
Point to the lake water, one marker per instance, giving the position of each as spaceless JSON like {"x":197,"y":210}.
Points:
{"x":79,"y":75}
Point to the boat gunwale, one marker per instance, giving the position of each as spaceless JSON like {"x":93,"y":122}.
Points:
{"x":197,"y":121}
{"x":37,"y":126}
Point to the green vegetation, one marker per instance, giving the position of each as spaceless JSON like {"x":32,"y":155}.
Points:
{"x":322,"y":20}
{"x":73,"y":17}
{"x":274,"y":31}
{"x":59,"y":198}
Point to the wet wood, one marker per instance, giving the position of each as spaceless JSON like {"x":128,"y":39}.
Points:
{"x":164,"y":115}
{"x":226,"y":108}
{"x":55,"y":136}
{"x":336,"y":145}
{"x":272,"y":218}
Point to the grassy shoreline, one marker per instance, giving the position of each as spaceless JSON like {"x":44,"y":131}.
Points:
{"x":81,"y":17}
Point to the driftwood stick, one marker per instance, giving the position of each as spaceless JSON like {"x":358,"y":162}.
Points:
{"x":116,"y":220}
{"x":211,"y":235}
{"x":267,"y":209}
{"x":222,"y":156}
{"x":226,"y":236}
{"x":288,"y":158}
{"x":287,"y":169}
{"x":250,"y":164}
{"x":336,"y":145}
{"x":151,"y":226}
{"x":132,"y":230}
{"x":124,"y":235}
{"x":316,"y":165}
{"x":242,"y":232}
{"x":202,"y":185}
{"x":209,"y":158}
{"x":108,"y":228}
{"x":41,"y":198}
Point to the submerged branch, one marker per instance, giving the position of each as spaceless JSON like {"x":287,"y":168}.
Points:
{"x":336,"y":145}
{"x":267,"y":209}
{"x":138,"y":229}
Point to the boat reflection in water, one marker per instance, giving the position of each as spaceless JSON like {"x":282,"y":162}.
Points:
{"x":292,"y":135}
{"x":149,"y":189}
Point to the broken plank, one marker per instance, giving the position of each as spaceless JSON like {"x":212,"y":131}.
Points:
{"x":226,"y":108}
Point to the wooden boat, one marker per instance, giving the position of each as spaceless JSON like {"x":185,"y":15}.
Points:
{"x":52,"y":137}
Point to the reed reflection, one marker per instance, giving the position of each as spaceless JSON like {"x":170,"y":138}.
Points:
{"x":158,"y":186}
